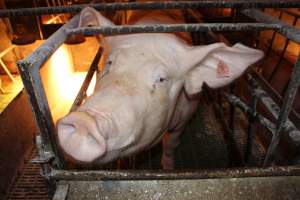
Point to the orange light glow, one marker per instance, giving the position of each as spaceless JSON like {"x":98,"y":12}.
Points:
{"x":67,"y":82}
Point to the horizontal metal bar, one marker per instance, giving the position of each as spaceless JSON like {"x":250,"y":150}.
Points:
{"x":82,"y":92}
{"x":290,"y":32}
{"x":172,"y":175}
{"x":246,"y":109}
{"x":153,"y":5}
{"x":167,"y":28}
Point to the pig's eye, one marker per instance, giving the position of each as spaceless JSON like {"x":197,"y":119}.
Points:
{"x":162,"y":79}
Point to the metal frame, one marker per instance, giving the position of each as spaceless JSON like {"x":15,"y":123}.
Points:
{"x":153,"y":5}
{"x":29,"y":67}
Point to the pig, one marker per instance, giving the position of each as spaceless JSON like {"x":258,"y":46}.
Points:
{"x":148,"y":90}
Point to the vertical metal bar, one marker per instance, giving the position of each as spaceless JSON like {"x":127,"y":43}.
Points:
{"x":285,"y":110}
{"x":29,"y":71}
{"x":235,"y":156}
{"x":251,"y":120}
{"x":232,"y":110}
{"x":33,"y":85}
{"x":82,"y":92}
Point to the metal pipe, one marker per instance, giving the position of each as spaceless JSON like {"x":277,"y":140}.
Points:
{"x":272,"y":93}
{"x":246,"y":109}
{"x":285,"y":110}
{"x":29,"y":71}
{"x":234,"y":153}
{"x":152,"y":5}
{"x":287,"y":30}
{"x":82,"y":92}
{"x":102,"y":175}
{"x":274,"y":109}
{"x":251,"y":119}
{"x":167,"y":28}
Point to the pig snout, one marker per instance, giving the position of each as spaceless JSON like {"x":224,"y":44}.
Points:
{"x":80,"y":137}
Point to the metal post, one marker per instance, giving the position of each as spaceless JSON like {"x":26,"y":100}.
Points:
{"x":82,"y":92}
{"x":29,"y":71}
{"x":285,"y":110}
{"x":251,"y":119}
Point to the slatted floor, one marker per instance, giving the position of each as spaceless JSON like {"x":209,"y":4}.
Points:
{"x":30,"y":184}
{"x":202,"y":147}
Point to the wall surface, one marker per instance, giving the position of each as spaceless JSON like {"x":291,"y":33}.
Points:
{"x":17,"y":130}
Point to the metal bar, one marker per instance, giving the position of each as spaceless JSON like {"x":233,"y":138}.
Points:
{"x":167,"y":28}
{"x":29,"y":71}
{"x":274,"y":109}
{"x":153,"y":5}
{"x":251,"y":119}
{"x":273,"y":94}
{"x":246,"y":109}
{"x":287,"y":30}
{"x":234,"y":153}
{"x":82,"y":92}
{"x":101,"y":175}
{"x":285,"y":110}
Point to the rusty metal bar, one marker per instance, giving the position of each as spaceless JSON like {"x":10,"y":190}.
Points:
{"x":153,"y":5}
{"x":285,"y":110}
{"x":246,"y":109}
{"x":273,"y":94}
{"x":274,"y":109}
{"x":251,"y":119}
{"x":167,"y":28}
{"x":82,"y":92}
{"x":102,"y":175}
{"x":290,"y":32}
{"x":29,"y":71}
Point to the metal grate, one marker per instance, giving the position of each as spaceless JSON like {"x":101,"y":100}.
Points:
{"x":29,"y":184}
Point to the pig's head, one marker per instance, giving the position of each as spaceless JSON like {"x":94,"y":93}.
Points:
{"x":133,"y":103}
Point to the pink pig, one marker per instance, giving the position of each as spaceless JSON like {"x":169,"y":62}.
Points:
{"x":147,"y":90}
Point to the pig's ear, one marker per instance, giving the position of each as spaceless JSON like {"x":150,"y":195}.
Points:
{"x":91,"y":17}
{"x":219,"y":66}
